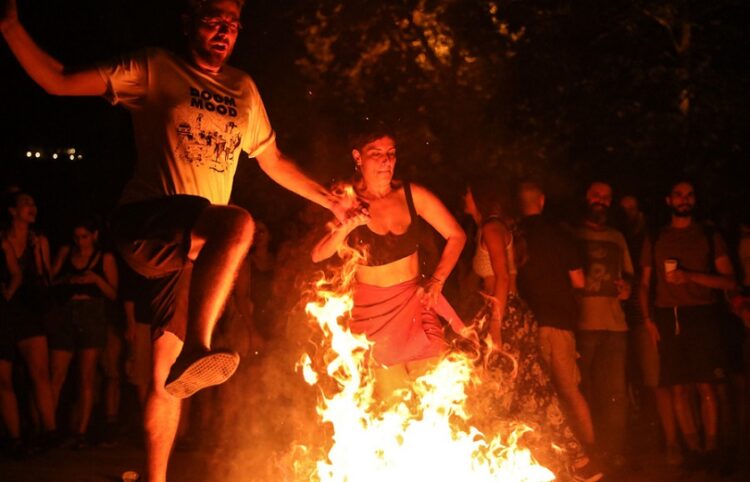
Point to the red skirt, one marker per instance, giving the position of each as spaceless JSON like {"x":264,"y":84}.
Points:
{"x":397,"y":323}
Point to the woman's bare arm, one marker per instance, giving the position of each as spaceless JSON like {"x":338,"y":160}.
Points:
{"x":62,"y":253}
{"x":495,"y":236}
{"x":109,"y":283}
{"x":433,"y":211}
{"x":331,"y":242}
{"x":16,"y":277}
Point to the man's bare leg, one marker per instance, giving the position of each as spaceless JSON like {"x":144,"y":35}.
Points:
{"x":223,"y":235}
{"x":162,"y":411}
{"x":709,"y":415}
{"x":579,"y":411}
{"x":221,"y":238}
{"x":665,"y":409}
{"x":684,"y":416}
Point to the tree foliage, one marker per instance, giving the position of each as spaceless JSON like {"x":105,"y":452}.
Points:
{"x":634,"y":91}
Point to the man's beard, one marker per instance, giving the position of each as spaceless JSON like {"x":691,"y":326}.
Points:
{"x":597,"y":213}
{"x":682,"y":213}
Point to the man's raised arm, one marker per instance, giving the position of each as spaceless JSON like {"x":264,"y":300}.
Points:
{"x":44,"y":69}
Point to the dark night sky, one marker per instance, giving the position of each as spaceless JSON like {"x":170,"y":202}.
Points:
{"x":80,"y":32}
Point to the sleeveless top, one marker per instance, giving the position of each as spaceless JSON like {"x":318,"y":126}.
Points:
{"x":481,"y":263}
{"x":67,"y":290}
{"x":387,"y":248}
{"x":33,"y":281}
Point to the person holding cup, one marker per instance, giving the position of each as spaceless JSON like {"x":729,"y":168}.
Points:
{"x":689,"y":263}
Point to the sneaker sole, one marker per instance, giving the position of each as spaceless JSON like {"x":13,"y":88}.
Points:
{"x":212,"y":369}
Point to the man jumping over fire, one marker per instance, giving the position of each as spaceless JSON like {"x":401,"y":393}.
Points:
{"x":173,"y":225}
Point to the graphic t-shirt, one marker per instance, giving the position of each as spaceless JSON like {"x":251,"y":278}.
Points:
{"x":690,"y":247}
{"x":189,"y":125}
{"x":607,"y":260}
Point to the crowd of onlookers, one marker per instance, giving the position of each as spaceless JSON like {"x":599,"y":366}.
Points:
{"x":75,"y":342}
{"x":638,"y":317}
{"x":634,"y":318}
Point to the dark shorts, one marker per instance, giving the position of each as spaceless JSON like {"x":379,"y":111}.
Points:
{"x":733,"y":341}
{"x":7,"y":344}
{"x":79,"y":325}
{"x":24,"y":321}
{"x":690,"y":350}
{"x":153,"y":238}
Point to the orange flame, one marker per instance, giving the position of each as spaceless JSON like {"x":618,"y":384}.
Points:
{"x":426,"y":435}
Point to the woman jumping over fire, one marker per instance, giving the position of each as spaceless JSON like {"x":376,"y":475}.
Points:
{"x":391,"y":306}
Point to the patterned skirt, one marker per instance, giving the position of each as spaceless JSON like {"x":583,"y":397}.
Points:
{"x":528,"y":394}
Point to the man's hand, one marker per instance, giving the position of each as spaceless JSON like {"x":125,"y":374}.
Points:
{"x":344,"y":202}
{"x":653,"y":332}
{"x":623,"y":289}
{"x":338,"y":207}
{"x":9,"y":12}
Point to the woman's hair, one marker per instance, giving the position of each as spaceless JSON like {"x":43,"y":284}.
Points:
{"x":10,"y":200}
{"x":89,"y":223}
{"x":494,"y":196}
{"x":365,"y":130}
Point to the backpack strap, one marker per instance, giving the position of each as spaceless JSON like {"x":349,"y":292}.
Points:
{"x":709,"y":232}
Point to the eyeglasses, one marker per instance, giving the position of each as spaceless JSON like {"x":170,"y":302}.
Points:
{"x":215,"y":23}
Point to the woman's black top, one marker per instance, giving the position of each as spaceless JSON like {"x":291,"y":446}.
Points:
{"x":67,"y":289}
{"x":386,"y":248}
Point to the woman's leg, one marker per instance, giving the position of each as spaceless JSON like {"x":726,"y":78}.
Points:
{"x":34,"y":352}
{"x":388,"y":381}
{"x":111,"y":363}
{"x":8,"y":401}
{"x":59,"y":363}
{"x":87,"y":360}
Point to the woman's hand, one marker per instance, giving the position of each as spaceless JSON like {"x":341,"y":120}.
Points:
{"x":88,"y":277}
{"x":430,"y":292}
{"x":353,"y":220}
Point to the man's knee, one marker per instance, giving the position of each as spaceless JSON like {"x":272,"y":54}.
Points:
{"x":240,"y":224}
{"x":226,"y":222}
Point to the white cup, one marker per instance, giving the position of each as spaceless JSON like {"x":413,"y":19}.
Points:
{"x":130,"y":476}
{"x":670,"y":265}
